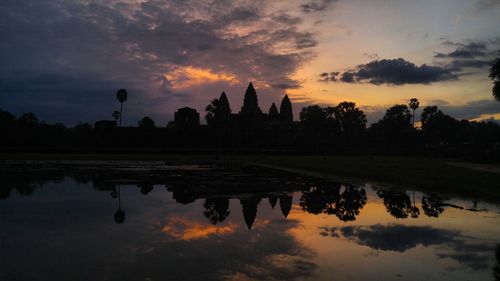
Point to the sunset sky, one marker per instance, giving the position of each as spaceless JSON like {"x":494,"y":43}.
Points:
{"x":64,"y":60}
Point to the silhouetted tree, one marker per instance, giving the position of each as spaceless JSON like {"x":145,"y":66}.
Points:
{"x":6,"y":119}
{"x":437,"y":126}
{"x":146,"y":123}
{"x":396,"y":125}
{"x":121,"y":96}
{"x":414,"y":104}
{"x":495,"y":77}
{"x":352,"y":120}
{"x":116,"y":115}
{"x":216,"y":210}
{"x":218,"y":112}
{"x":28,"y":120}
{"x":286,"y":113}
{"x":7,"y":126}
{"x":313,"y":117}
{"x":332,"y":124}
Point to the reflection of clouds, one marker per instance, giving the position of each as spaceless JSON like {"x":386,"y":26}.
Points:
{"x":184,"y":229}
{"x":400,"y":238}
{"x":275,"y":267}
{"x":268,"y":252}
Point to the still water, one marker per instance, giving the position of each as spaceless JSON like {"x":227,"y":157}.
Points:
{"x":154,"y":221}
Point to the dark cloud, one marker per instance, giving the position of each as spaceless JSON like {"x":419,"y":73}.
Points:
{"x":316,"y":5}
{"x":401,"y":238}
{"x":475,"y":55}
{"x":134,"y":45}
{"x":347,"y":77}
{"x":483,"y":5}
{"x":470,"y":55}
{"x":329,"y":77}
{"x":471,"y":50}
{"x":285,"y":86}
{"x":396,"y":72}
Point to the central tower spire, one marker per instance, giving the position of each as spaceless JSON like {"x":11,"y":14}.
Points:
{"x":250,"y":102}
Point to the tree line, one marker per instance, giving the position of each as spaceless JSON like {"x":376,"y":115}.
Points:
{"x":330,"y":129}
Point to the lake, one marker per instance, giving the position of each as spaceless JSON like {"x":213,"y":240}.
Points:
{"x":92,"y":220}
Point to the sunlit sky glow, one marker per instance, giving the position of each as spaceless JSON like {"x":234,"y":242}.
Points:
{"x":64,"y":60}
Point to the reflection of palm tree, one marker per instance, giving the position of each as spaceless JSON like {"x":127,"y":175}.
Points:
{"x":496,"y":267}
{"x":216,"y":210}
{"x":432,"y":206}
{"x":414,"y":211}
{"x":286,"y":204}
{"x":119,"y":214}
{"x":250,"y":210}
{"x":351,"y":202}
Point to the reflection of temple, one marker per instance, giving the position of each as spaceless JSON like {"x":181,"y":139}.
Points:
{"x":249,"y":206}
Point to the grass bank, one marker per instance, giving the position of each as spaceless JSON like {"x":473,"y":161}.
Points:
{"x":428,"y":174}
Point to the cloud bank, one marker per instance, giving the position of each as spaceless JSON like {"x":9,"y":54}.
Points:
{"x":165,"y":53}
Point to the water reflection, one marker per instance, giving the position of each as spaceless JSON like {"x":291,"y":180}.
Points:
{"x":223,"y":223}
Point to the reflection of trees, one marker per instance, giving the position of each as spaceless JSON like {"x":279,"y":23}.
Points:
{"x":432,"y":206}
{"x":346,"y":205}
{"x":4,"y":192}
{"x":23,"y":188}
{"x":398,"y":203}
{"x":496,"y":267}
{"x":216,"y":210}
{"x":351,"y":202}
{"x":319,"y":199}
{"x":414,"y":211}
{"x":145,"y":188}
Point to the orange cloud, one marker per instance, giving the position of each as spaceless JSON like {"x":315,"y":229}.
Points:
{"x":185,"y":77}
{"x":184,"y":229}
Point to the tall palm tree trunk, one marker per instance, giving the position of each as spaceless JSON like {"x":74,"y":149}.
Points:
{"x":121,"y":113}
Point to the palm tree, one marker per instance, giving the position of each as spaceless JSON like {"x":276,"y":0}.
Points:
{"x":116,"y":115}
{"x":495,"y":76}
{"x":121,"y":96}
{"x":414,"y":103}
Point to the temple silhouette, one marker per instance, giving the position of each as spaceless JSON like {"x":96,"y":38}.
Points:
{"x":250,"y":116}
